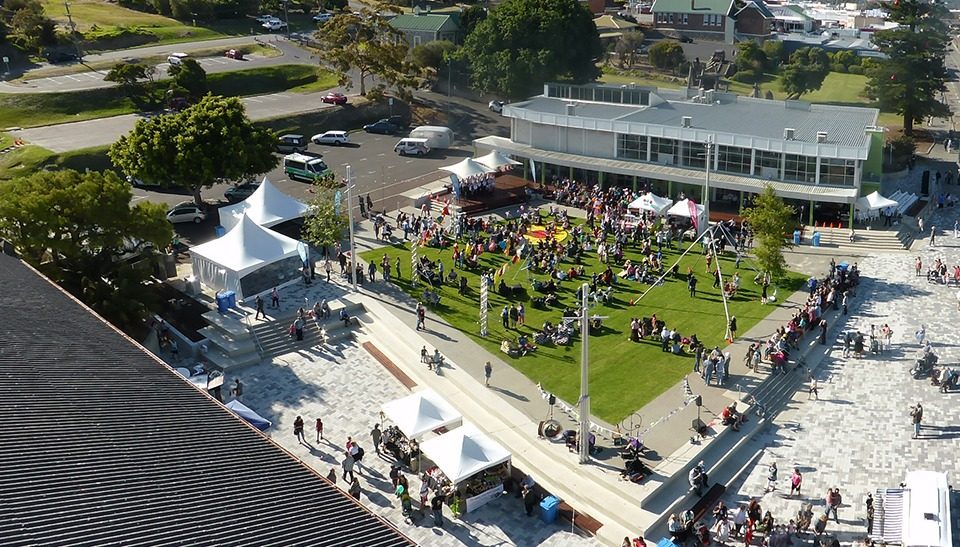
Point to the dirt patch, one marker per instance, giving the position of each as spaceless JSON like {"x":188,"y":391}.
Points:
{"x":181,"y":311}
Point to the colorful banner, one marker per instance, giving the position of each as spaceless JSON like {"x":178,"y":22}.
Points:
{"x":693,"y":215}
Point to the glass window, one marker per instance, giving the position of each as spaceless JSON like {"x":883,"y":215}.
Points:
{"x":733,"y":159}
{"x":799,"y":168}
{"x":837,"y":171}
{"x":663,"y":150}
{"x":632,"y":147}
{"x":694,"y":154}
{"x":684,"y":20}
{"x":768,"y":165}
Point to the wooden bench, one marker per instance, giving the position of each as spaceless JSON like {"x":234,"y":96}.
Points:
{"x":707,"y":501}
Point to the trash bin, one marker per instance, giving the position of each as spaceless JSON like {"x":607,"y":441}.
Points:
{"x":223,"y":302}
{"x":219,"y":230}
{"x":796,"y":237}
{"x":231,"y":298}
{"x":192,"y":285}
{"x":549,"y":509}
{"x":816,"y":239}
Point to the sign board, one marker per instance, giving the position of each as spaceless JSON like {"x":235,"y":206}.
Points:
{"x":390,"y":102}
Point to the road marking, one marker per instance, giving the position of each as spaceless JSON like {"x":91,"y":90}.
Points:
{"x":363,"y":159}
{"x":58,"y":82}
{"x":72,"y":78}
{"x":371,"y":172}
{"x":381,"y":154}
{"x":408,"y":161}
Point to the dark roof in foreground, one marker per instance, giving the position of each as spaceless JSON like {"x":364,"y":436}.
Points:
{"x":102,"y":445}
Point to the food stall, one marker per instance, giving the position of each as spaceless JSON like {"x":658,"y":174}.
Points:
{"x":471,"y":461}
{"x":414,"y":416}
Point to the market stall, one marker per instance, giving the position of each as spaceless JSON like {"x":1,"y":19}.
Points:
{"x":869,"y":206}
{"x":267,"y":206}
{"x":686,"y":208}
{"x":414,"y":416}
{"x":473,"y":463}
{"x":650,"y":202}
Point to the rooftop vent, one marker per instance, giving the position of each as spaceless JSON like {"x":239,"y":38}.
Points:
{"x":686,"y":121}
{"x":571,"y":109}
{"x":788,"y":133}
{"x":821,"y":137}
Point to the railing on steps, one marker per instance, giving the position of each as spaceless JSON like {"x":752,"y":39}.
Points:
{"x":253,"y":332}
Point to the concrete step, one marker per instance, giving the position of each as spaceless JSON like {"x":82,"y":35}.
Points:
{"x":229,"y":345}
{"x":867,"y":240}
{"x":230,"y":323}
{"x":274,"y":337}
{"x":224,"y":362}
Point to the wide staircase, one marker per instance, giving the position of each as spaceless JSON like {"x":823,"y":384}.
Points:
{"x":230,"y":344}
{"x":865,"y":240}
{"x":274,"y":339}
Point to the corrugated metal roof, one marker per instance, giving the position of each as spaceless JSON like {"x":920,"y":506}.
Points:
{"x":102,"y":445}
{"x":692,"y":6}
{"x":759,"y":6}
{"x":428,"y":21}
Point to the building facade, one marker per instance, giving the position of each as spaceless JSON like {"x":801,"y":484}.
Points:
{"x":721,"y":20}
{"x":816,"y":155}
{"x":420,"y":28}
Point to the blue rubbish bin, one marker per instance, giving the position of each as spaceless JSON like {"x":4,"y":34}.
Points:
{"x":219,"y":230}
{"x":549,"y":509}
{"x":816,"y":239}
{"x":231,"y":298}
{"x":223,"y":301}
{"x":796,"y":237}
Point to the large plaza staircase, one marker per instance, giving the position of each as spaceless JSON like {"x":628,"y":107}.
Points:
{"x":273,"y":336}
{"x":864,"y":240}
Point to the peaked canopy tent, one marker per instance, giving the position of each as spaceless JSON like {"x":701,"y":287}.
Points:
{"x":249,"y":259}
{"x":420,"y":413}
{"x":650,"y":202}
{"x":473,"y":462}
{"x":496,"y":161}
{"x":267,"y":206}
{"x":464,"y":171}
{"x":248,"y":415}
{"x":683,"y":209}
{"x":869,"y":206}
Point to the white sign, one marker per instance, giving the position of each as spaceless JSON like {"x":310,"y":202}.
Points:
{"x":390,"y":102}
{"x":7,"y":60}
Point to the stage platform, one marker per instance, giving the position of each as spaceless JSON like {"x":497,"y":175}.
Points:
{"x":507,"y":190}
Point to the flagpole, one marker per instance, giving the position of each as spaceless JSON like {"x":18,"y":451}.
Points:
{"x":353,"y":248}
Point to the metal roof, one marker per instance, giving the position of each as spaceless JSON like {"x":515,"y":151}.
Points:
{"x":692,"y":6}
{"x":102,"y":444}
{"x":759,"y":6}
{"x":424,"y":21}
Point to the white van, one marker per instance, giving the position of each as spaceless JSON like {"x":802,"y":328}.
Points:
{"x":412,"y":147}
{"x":300,"y":166}
{"x":437,"y":137}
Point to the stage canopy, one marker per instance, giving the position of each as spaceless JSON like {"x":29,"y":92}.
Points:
{"x":421,"y":413}
{"x":267,"y":206}
{"x":464,"y":452}
{"x":249,"y":259}
{"x":249,"y":415}
{"x":468,"y":168}
{"x":650,"y":202}
{"x":496,"y":161}
{"x":682,"y":209}
{"x":874,"y":202}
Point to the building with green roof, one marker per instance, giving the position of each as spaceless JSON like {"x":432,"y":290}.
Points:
{"x":420,"y":28}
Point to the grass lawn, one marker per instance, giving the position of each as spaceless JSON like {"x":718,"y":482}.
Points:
{"x":624,"y":375}
{"x":28,"y":110}
{"x":28,"y":159}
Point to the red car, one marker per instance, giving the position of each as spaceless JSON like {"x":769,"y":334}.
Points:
{"x":234,"y":54}
{"x":334,"y":98}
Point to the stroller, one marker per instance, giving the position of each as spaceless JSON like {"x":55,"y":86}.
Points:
{"x":924,"y":366}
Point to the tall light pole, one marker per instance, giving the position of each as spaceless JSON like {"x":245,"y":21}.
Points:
{"x":353,"y":248}
{"x":706,"y":183}
{"x":286,"y":18}
{"x":584,"y":434}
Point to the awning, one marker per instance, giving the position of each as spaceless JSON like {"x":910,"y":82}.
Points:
{"x":468,"y":168}
{"x":464,"y":452}
{"x":421,"y":413}
{"x":874,"y":202}
{"x":650,"y":202}
{"x":496,"y":161}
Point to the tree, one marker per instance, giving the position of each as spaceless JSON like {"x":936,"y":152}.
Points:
{"x":189,"y":75}
{"x":666,"y":54}
{"x":805,"y":72}
{"x":913,"y":77}
{"x":771,"y":219}
{"x":433,"y":54}
{"x":29,"y":27}
{"x":75,"y":227}
{"x":627,"y":48}
{"x":132,"y":79}
{"x":367,"y":43}
{"x":775,"y":52}
{"x":327,"y":219}
{"x":208,"y":142}
{"x":471,"y":17}
{"x":524,"y":43}
{"x":751,"y":59}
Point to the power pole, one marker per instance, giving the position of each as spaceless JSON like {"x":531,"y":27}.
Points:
{"x":286,"y":17}
{"x":584,"y":434}
{"x":73,"y":31}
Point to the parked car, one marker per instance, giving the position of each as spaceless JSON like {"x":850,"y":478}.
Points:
{"x":382,"y":127}
{"x":264,"y":17}
{"x":186,"y":212}
{"x":240,"y":192}
{"x":274,"y":25}
{"x":59,"y":56}
{"x":322,"y":17}
{"x":176,"y":59}
{"x":412,"y":147}
{"x":334,"y":98}
{"x":291,"y":143}
{"x":686,"y":39}
{"x":496,"y":106}
{"x":234,"y":54}
{"x":335,"y":138}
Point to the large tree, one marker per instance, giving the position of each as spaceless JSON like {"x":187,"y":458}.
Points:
{"x":750,"y":58}
{"x":523,"y":43}
{"x":805,"y":72}
{"x":132,"y":78}
{"x":208,"y":142}
{"x":327,"y":219}
{"x":365,"y":42}
{"x":189,"y":75}
{"x":666,"y":54}
{"x":913,"y":77}
{"x":627,"y":48}
{"x":771,"y":219}
{"x":75,"y":227}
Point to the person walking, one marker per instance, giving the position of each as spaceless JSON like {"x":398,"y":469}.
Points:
{"x":355,"y":489}
{"x":298,"y":430}
{"x":421,"y":316}
{"x":521,"y":315}
{"x":319,"y":430}
{"x":834,"y":499}
{"x":823,"y":332}
{"x":739,"y":520}
{"x":869,"y":514}
{"x":692,"y":285}
{"x":796,"y":481}
{"x":260,"y":311}
{"x":514,"y":316}
{"x":813,"y":390}
{"x":917,"y":416}
{"x":918,"y":265}
{"x":237,"y":390}
{"x":396,"y":266}
{"x":771,"y":478}
{"x":274,"y":298}
{"x":505,"y":317}
{"x":487,"y":371}
{"x":437,"y":505}
{"x":347,"y":465}
{"x":732,"y":325}
{"x":933,"y":235}
{"x":376,"y":436}
{"x":327,"y":267}
{"x":920,"y":224}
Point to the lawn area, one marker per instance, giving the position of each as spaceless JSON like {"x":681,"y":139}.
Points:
{"x":28,"y":110}
{"x":624,"y":375}
{"x":28,"y":159}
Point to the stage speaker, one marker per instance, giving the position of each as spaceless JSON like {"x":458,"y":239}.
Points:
{"x":698,"y":401}
{"x":552,"y":399}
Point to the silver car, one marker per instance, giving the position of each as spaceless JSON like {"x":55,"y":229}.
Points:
{"x":186,"y":212}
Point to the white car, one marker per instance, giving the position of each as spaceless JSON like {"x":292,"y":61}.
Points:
{"x":274,"y":24}
{"x":496,"y":106}
{"x":335,"y":138}
{"x":322,"y":17}
{"x":186,"y":212}
{"x":264,"y":18}
{"x":176,"y":59}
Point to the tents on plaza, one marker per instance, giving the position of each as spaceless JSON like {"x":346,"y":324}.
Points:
{"x":468,"y":168}
{"x":464,"y":452}
{"x":248,"y":415}
{"x":421,"y":413}
{"x":682,"y":209}
{"x":267,"y":206}
{"x":875,"y":202}
{"x":650,"y":202}
{"x":496,"y":161}
{"x":238,"y":261}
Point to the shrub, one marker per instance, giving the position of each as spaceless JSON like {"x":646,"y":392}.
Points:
{"x":857,"y":69}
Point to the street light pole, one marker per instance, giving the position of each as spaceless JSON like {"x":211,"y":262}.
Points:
{"x":706,"y":183}
{"x":353,"y":249}
{"x":286,"y":17}
{"x":584,"y":434}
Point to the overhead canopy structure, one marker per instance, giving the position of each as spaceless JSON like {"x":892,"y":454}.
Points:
{"x":650,"y":202}
{"x":464,"y":452}
{"x":249,"y":415}
{"x":267,"y":206}
{"x":496,"y":161}
{"x":875,"y":202}
{"x":682,"y":209}
{"x":468,"y":168}
{"x":249,"y":259}
{"x":421,"y":413}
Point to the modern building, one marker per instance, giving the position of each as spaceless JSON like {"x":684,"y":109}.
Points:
{"x":789,"y":18}
{"x":721,"y":20}
{"x":422,"y":27}
{"x":821,"y":157}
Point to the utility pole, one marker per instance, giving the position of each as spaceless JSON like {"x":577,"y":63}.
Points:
{"x":584,"y":434}
{"x":449,"y":76}
{"x":73,"y":31}
{"x":286,"y":17}
{"x":706,"y":183}
{"x":353,"y":248}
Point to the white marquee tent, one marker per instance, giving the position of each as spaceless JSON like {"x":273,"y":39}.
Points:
{"x":496,"y":161}
{"x":875,"y":202}
{"x":468,"y":168}
{"x":682,"y":209}
{"x":267,"y":206}
{"x":650,"y":202}
{"x":464,"y":452}
{"x":421,"y":413}
{"x":249,"y":259}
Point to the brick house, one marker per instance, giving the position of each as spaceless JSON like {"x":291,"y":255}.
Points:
{"x":420,"y":28}
{"x":721,"y":20}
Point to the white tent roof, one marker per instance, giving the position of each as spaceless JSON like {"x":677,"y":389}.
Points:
{"x":464,"y":452}
{"x":420,"y":413}
{"x":468,"y":168}
{"x":874,"y":202}
{"x":267,"y":206}
{"x":651,"y":202}
{"x":495,"y":160}
{"x":246,"y":247}
{"x":682,"y":209}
